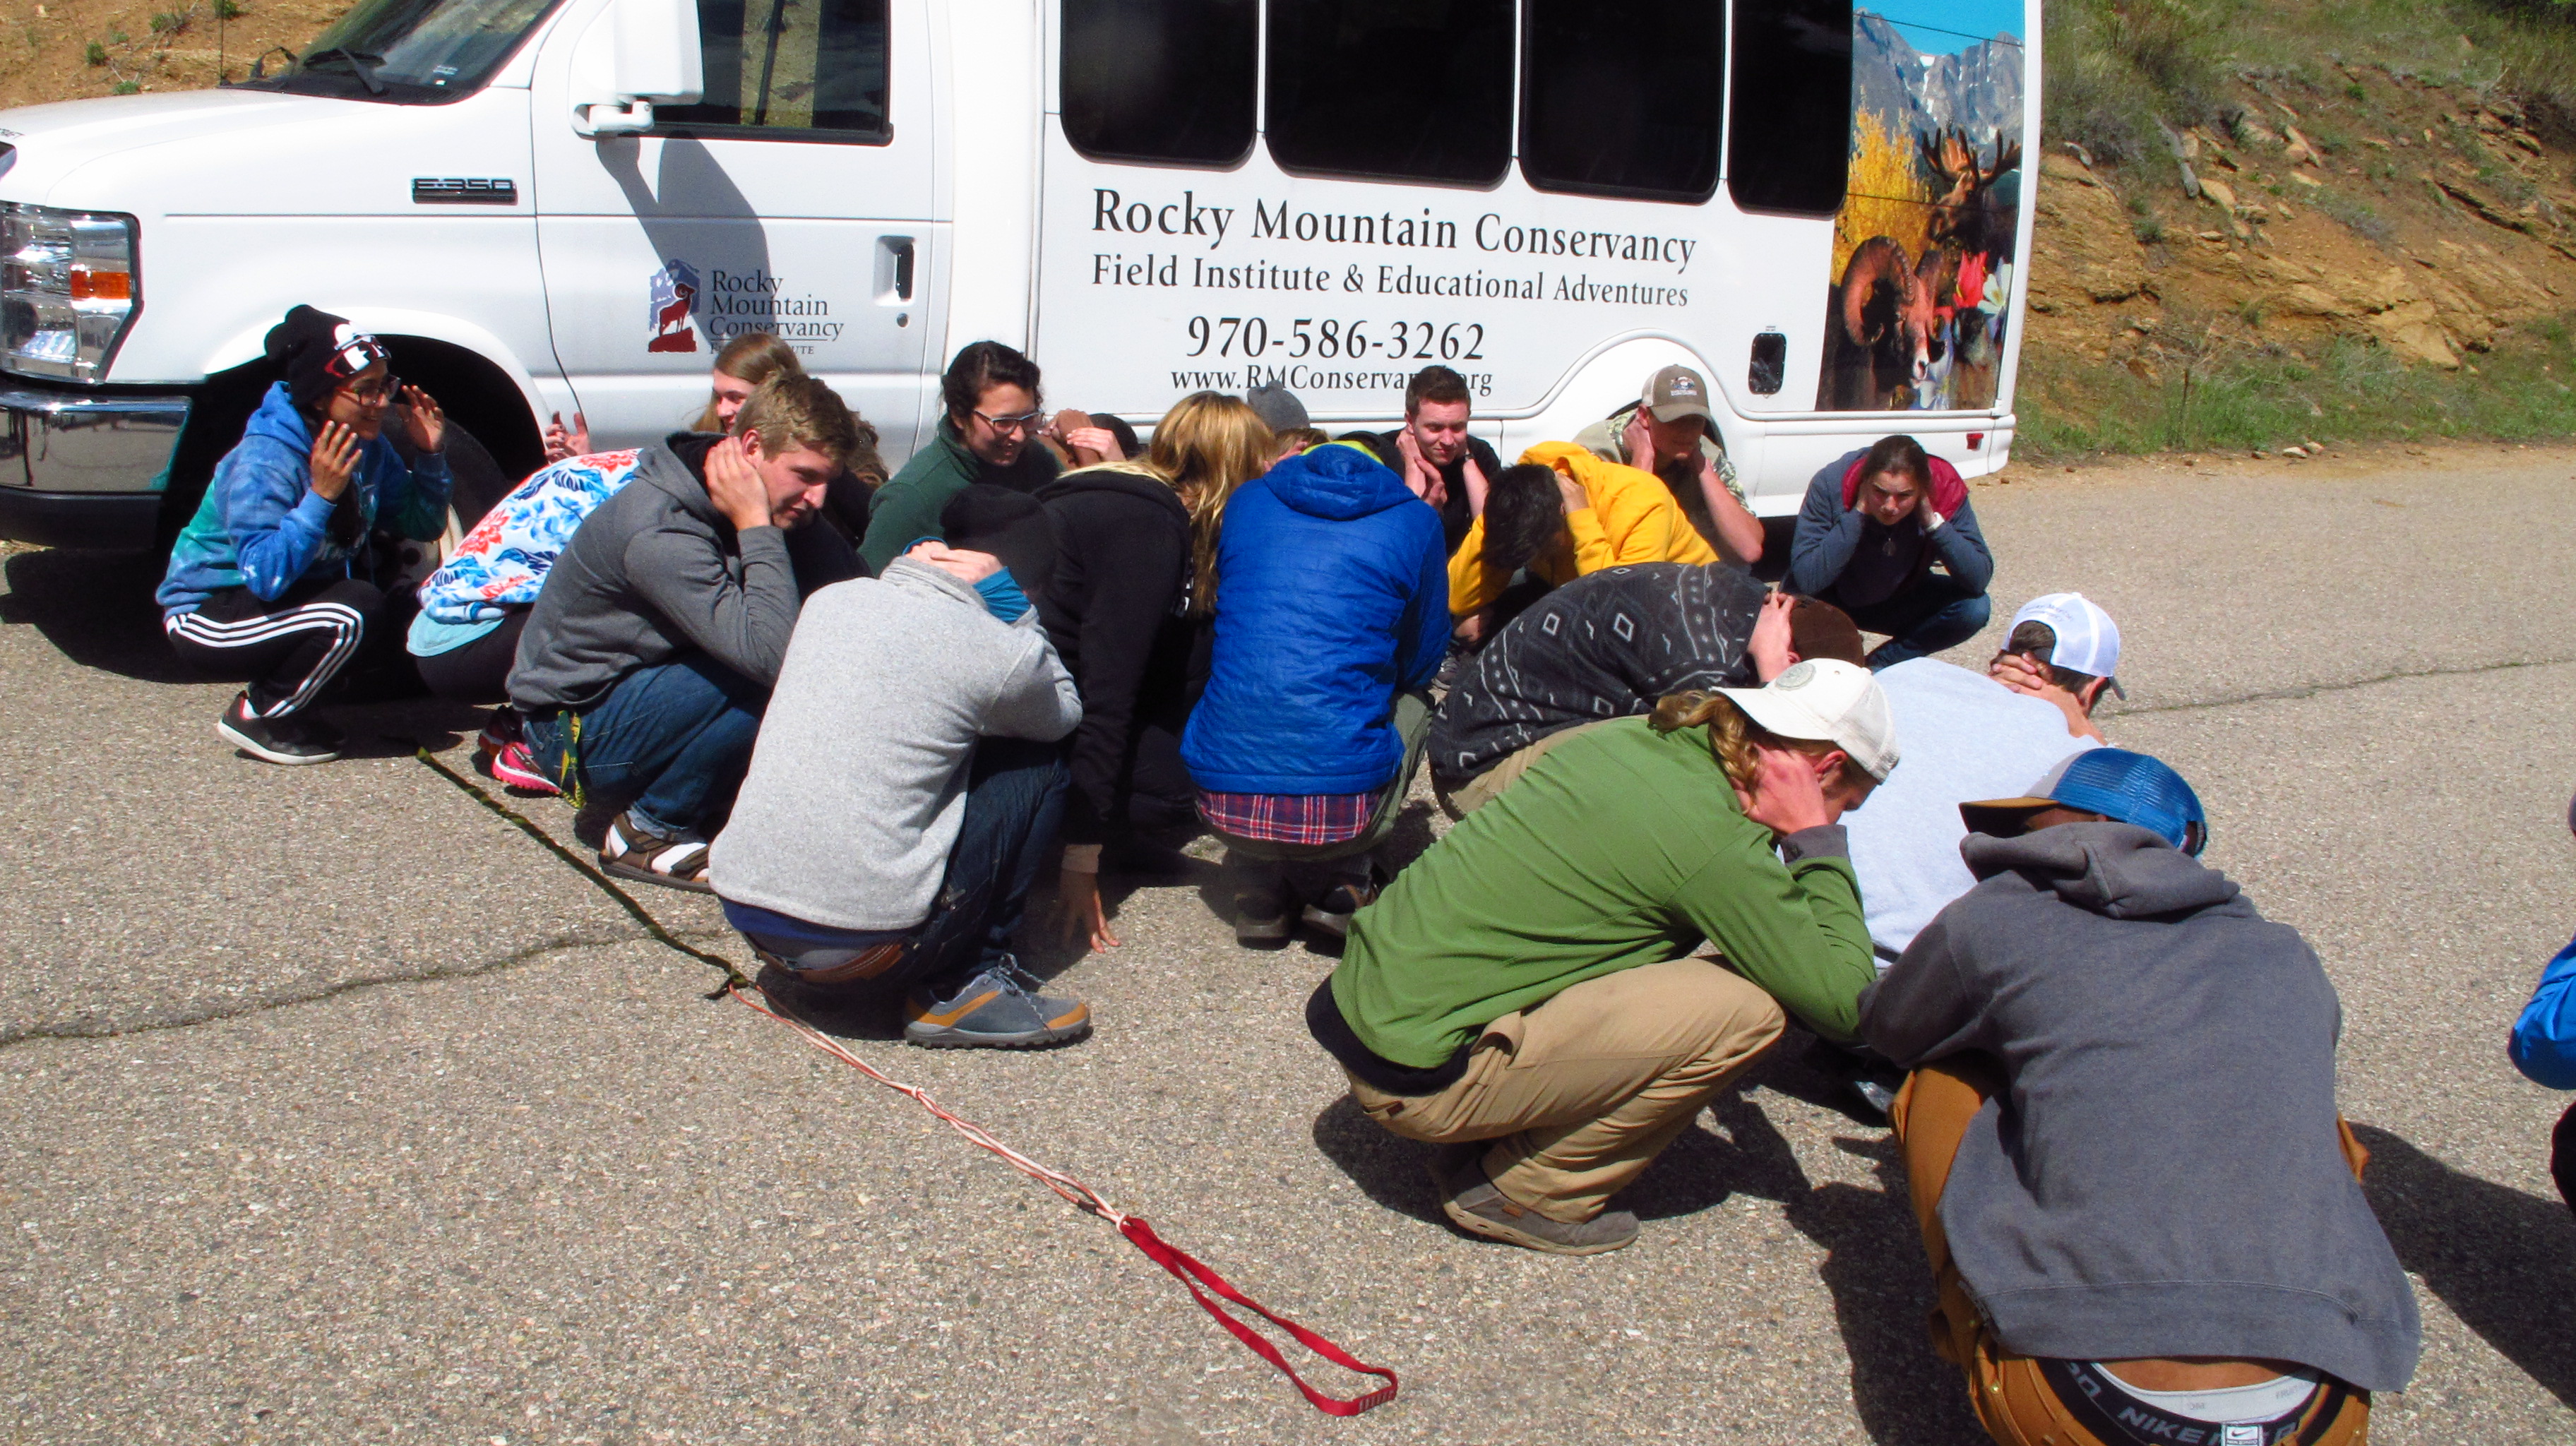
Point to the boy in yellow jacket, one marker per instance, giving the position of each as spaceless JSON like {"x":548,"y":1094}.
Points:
{"x":1561,"y":514}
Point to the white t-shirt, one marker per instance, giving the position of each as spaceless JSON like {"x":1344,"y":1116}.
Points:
{"x":1965,"y":737}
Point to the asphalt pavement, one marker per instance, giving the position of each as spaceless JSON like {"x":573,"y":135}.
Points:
{"x":334,"y":1106}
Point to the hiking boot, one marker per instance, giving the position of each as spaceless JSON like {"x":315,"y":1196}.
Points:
{"x":289,"y":740}
{"x":1472,"y":1204}
{"x":674,"y":861}
{"x":1261,"y":917}
{"x":997,"y":1009}
{"x":1332,"y":913}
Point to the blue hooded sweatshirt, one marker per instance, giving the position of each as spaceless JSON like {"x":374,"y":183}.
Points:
{"x":263,"y":527}
{"x":1332,"y":596}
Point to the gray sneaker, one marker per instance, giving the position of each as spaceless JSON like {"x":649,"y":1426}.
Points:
{"x":1472,"y":1204}
{"x":997,"y":1009}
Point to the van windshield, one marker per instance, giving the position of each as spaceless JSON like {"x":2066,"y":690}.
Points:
{"x":410,"y":51}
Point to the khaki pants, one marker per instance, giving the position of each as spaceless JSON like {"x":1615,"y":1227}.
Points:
{"x":2015,"y":1402}
{"x":1482,"y":789}
{"x":1581,"y":1093}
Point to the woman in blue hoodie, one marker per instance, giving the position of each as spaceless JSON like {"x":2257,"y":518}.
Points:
{"x":269,"y":580}
{"x":1332,"y":616}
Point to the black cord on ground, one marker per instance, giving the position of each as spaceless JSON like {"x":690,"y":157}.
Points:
{"x":734,"y":977}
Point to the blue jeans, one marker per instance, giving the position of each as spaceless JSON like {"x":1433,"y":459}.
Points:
{"x":1933,"y":614}
{"x":680,"y":732}
{"x":1015,"y":793}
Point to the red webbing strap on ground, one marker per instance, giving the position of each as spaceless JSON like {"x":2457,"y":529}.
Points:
{"x":1179,"y":1262}
{"x":1186,"y":1268}
{"x":1183,"y":1266}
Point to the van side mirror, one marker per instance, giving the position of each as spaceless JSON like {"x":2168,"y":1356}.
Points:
{"x":636,"y":53}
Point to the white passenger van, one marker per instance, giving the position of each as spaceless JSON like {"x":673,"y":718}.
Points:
{"x":561,"y":206}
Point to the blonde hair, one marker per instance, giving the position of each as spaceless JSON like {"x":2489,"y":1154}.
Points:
{"x":799,"y":412}
{"x":754,"y":357}
{"x":1206,"y":446}
{"x":1733,"y":736}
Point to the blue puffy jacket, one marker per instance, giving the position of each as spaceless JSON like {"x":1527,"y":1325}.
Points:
{"x":262,"y":527}
{"x":2544,"y":1038}
{"x":1332,"y":596}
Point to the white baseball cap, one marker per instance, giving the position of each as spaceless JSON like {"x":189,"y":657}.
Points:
{"x":1827,"y":700}
{"x":2087,"y":640}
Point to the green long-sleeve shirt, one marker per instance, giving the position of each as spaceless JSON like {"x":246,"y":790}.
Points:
{"x":1620,"y":848}
{"x":907,"y":508}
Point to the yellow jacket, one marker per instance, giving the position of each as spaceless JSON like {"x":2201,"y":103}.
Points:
{"x":1633,"y":518}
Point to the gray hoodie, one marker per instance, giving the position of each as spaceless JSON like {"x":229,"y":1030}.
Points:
{"x":858,"y":784}
{"x":654,"y":573}
{"x":2164,"y":1177}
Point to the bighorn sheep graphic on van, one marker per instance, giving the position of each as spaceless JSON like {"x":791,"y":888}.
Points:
{"x":674,"y":303}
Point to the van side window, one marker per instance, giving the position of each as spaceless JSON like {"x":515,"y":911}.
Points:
{"x":789,"y":69}
{"x":1161,"y":81}
{"x":1404,"y":90}
{"x":1790,"y":106}
{"x":1623,"y":97}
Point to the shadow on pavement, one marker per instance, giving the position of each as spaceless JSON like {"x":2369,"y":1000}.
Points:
{"x":95,"y":608}
{"x":1874,"y":1265}
{"x":2503,"y":1260}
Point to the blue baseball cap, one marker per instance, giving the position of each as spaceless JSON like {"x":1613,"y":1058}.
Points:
{"x":2121,"y":786}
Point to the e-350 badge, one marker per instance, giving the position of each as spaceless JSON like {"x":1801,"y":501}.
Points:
{"x":673,"y":324}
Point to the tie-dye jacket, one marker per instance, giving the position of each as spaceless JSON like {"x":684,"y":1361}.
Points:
{"x":502,"y":563}
{"x":262,"y":526}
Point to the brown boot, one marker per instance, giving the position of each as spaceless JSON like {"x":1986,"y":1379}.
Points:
{"x":1472,"y":1204}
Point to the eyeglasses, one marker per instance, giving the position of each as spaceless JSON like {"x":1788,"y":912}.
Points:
{"x":377,"y":395}
{"x":1026,"y":421}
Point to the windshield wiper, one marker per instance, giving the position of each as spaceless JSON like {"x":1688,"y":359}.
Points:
{"x":362,"y":64}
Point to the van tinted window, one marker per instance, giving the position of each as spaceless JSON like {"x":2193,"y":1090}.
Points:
{"x":1790,"y":105}
{"x":1169,"y":81}
{"x":1409,"y":90}
{"x":782,"y":68}
{"x":1623,"y":97}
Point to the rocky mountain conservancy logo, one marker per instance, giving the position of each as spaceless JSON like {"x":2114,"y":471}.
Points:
{"x":672,"y":321}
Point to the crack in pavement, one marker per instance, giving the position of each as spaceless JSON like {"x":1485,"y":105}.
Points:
{"x":241,"y":1009}
{"x":649,"y":928}
{"x":2312,"y":690}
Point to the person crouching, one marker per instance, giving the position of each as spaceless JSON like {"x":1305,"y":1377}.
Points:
{"x":906,"y":785}
{"x":1584,"y":889}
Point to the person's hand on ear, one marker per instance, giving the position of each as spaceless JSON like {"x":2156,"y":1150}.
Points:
{"x":1769,"y":647}
{"x":1788,"y":790}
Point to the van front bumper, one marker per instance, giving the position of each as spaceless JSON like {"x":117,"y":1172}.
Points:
{"x":79,"y":469}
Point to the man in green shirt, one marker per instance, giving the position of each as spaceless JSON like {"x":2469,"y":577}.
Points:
{"x":1529,"y":983}
{"x":990,"y":434}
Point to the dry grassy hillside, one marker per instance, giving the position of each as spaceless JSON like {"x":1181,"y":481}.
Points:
{"x":66,"y":49}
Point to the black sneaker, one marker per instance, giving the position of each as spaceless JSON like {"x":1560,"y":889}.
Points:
{"x":290,"y":740}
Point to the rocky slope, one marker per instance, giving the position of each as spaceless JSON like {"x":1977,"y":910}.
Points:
{"x":2427,"y":219}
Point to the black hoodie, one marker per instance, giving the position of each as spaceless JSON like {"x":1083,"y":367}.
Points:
{"x":1116,"y":611}
{"x":2163,"y":1177}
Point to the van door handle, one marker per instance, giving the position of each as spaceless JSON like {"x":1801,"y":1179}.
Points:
{"x":894,"y":268}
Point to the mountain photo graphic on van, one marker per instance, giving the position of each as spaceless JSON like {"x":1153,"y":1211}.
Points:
{"x":1924,"y":243}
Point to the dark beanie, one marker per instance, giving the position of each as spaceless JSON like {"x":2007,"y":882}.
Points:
{"x":1008,"y":524}
{"x":319,"y":352}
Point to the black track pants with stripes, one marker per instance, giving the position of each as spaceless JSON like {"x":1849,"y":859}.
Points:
{"x":288,"y":649}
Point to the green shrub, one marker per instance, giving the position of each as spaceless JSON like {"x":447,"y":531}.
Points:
{"x":229,"y":10}
{"x":96,"y":54}
{"x":124,"y":87}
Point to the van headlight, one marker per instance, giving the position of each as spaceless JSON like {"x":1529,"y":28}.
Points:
{"x":68,"y":290}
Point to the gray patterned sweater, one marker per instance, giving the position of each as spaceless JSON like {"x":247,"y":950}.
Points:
{"x":1603,"y":646}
